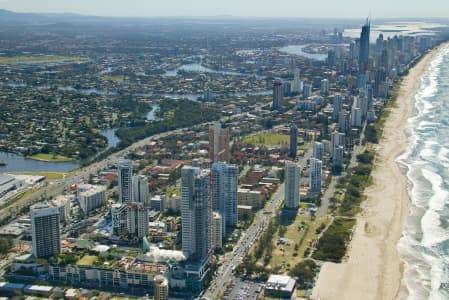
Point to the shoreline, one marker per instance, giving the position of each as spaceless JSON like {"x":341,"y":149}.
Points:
{"x":374,"y":269}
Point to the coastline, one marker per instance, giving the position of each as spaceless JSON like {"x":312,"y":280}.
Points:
{"x":374,"y":269}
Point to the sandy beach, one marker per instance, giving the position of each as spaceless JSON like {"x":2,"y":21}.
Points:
{"x":374,"y":268}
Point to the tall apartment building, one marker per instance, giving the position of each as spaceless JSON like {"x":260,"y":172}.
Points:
{"x":364,"y":48}
{"x":337,"y":139}
{"x":225,"y":193}
{"x":160,"y":288}
{"x":293,"y":141}
{"x":137,"y":220}
{"x":119,"y":218}
{"x":217,"y":226}
{"x":292,"y":173}
{"x":278,"y":95}
{"x":45,"y":230}
{"x":338,"y":106}
{"x":140,"y":189}
{"x":90,"y":196}
{"x":318,"y":150}
{"x":307,"y":90}
{"x":196,"y":213}
{"x":316,"y":167}
{"x":62,"y":202}
{"x":337,"y":157}
{"x":125,"y":173}
{"x":219,"y":149}
{"x":324,"y":88}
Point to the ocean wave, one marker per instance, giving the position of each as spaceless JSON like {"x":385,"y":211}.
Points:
{"x":425,"y":242}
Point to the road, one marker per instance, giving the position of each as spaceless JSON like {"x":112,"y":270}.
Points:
{"x":57,"y":187}
{"x":248,"y":239}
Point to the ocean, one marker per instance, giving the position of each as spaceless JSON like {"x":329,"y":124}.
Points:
{"x":425,"y":242}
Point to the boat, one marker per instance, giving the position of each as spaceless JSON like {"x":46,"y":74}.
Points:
{"x":3,"y":163}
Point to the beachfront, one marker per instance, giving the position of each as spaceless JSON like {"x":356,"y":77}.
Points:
{"x":374,"y":268}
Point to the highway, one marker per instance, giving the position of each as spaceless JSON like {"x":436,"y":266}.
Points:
{"x":57,"y":187}
{"x":248,"y":239}
{"x":244,"y":245}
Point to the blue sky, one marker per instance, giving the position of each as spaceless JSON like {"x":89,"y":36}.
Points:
{"x":264,"y":8}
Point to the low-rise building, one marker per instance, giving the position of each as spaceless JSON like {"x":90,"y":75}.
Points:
{"x":251,"y":198}
{"x":280,"y":286}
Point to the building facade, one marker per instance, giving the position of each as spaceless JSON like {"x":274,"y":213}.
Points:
{"x":292,"y":178}
{"x":125,"y":187}
{"x":278,"y":95}
{"x":137,"y":220}
{"x":140,"y":189}
{"x":225,"y":193}
{"x":45,"y":230}
{"x":196,"y":213}
{"x":293,"y":141}
{"x":219,"y":149}
{"x":91,"y":196}
{"x":316,"y":167}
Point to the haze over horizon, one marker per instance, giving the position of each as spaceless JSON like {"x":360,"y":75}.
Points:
{"x":248,"y":8}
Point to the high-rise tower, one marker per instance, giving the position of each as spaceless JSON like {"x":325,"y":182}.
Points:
{"x":219,"y":149}
{"x":293,"y":141}
{"x":224,"y":193}
{"x":196,"y":213}
{"x":45,"y":230}
{"x":278,"y":95}
{"x":292,"y":176}
{"x":125,"y":188}
{"x":364,"y":48}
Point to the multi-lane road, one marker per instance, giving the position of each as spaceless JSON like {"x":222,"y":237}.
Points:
{"x":247,"y":241}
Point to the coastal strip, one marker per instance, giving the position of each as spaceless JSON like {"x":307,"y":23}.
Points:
{"x":374,"y":268}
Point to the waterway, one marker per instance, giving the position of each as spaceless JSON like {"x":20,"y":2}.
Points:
{"x":18,"y":163}
{"x":299,"y":50}
{"x":198,"y":68}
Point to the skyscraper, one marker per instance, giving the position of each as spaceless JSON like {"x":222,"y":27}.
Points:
{"x":119,"y":218}
{"x":293,"y":141}
{"x":307,"y":90}
{"x":324,"y":88}
{"x":318,"y":150}
{"x":224,"y":193}
{"x":45,"y":230}
{"x":296,"y":84}
{"x":140,"y":189}
{"x":125,"y":188}
{"x":338,"y":106}
{"x":364,"y":48}
{"x":219,"y":149}
{"x":337,"y":157}
{"x":137,"y":223}
{"x":278,"y":95}
{"x":337,"y":139}
{"x":292,"y":177}
{"x":196,"y":213}
{"x":315,"y":175}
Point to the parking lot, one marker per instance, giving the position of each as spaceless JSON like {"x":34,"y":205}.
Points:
{"x":240,"y":290}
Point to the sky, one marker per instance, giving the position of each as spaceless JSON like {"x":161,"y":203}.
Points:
{"x":258,"y":8}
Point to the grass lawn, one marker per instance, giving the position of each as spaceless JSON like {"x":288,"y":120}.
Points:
{"x":42,"y":59}
{"x":170,"y":192}
{"x":300,"y":234}
{"x":49,"y":175}
{"x":87,"y":260}
{"x":269,"y":139}
{"x":50,"y":157}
